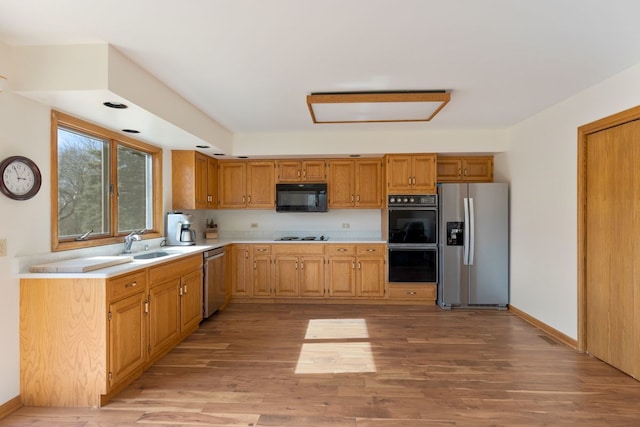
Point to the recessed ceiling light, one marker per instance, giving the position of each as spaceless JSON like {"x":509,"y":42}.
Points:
{"x":354,"y":155}
{"x":130,"y":131}
{"x":116,"y":105}
{"x":219,"y":154}
{"x":202,"y":146}
{"x":368,"y":107}
{"x":243,"y":157}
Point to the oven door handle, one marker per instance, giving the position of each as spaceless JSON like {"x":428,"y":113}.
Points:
{"x":465,"y":252}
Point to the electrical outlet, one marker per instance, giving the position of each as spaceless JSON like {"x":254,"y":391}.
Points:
{"x":254,"y":225}
{"x":346,"y":225}
{"x":3,"y":247}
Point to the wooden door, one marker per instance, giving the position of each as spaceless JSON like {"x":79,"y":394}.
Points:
{"x":478,"y":169}
{"x":399,"y":177}
{"x":613,"y":246}
{"x":286,"y":276}
{"x":127,"y":336}
{"x":449,"y":169}
{"x":262,"y":275}
{"x":164,"y":315}
{"x":424,"y":173}
{"x":370,"y":280}
{"x":342,"y":276}
{"x":232,"y":189}
{"x":239,"y":271}
{"x":212,"y":183}
{"x":261,"y":186}
{"x":201,"y":178}
{"x":312,"y":276}
{"x":368,"y":183}
{"x":341,"y":185}
{"x":314,"y":171}
{"x":191,"y":300}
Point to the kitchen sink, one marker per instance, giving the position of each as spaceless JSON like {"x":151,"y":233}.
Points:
{"x":151,"y":255}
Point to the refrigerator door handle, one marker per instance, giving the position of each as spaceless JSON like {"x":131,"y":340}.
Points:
{"x":465,"y":233}
{"x":472,"y":231}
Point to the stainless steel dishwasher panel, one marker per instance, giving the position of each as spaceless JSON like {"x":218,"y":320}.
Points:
{"x":215,"y":288}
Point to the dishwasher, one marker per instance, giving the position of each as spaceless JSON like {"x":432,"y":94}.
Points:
{"x":215,"y":284}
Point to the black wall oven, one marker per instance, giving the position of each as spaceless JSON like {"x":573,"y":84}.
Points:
{"x":412,"y":223}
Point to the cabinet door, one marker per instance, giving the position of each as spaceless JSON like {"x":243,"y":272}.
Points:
{"x":232,"y":189}
{"x":190,"y":300}
{"x":478,"y":169}
{"x":201,"y":181}
{"x":399,"y":175}
{"x":127,"y":336}
{"x":314,"y":171}
{"x":262,"y":279}
{"x":424,"y":174}
{"x":370,"y":280}
{"x":342,"y":276}
{"x":164,"y":315}
{"x":286,"y":275}
{"x":289,"y":171}
{"x":341,"y":184}
{"x":449,"y":169}
{"x":312,"y":276}
{"x":368,"y":183}
{"x":212,"y":183}
{"x":239,"y":271}
{"x":261,"y":186}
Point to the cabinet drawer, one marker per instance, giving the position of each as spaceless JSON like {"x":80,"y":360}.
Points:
{"x":413,"y":292}
{"x":261,"y":249}
{"x":298,"y":249}
{"x":126,"y":285}
{"x":371,"y":250}
{"x":333,"y":249}
{"x":171,"y":269}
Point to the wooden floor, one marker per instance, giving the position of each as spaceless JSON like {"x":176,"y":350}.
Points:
{"x":364,"y":366}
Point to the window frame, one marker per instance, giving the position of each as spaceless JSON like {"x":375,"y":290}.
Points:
{"x":114,"y":139}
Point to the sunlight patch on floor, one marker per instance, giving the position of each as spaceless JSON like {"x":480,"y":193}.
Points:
{"x":350,"y":352}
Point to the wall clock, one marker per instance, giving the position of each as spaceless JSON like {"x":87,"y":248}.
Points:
{"x":20,"y":178}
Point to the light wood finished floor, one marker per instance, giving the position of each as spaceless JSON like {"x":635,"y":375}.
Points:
{"x":364,"y":366}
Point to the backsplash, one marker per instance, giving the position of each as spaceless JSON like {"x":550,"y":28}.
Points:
{"x":337,"y":224}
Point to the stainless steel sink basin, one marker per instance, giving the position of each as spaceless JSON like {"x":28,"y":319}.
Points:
{"x":151,"y":255}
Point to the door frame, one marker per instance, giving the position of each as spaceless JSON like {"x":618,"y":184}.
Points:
{"x":584,"y":131}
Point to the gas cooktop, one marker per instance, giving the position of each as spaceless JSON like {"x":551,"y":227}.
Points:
{"x":287,"y":238}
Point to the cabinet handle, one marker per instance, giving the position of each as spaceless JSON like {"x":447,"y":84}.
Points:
{"x":246,"y":253}
{"x":131,"y":285}
{"x":414,"y":180}
{"x":262,"y":250}
{"x":352,"y":198}
{"x":180,"y":292}
{"x":255,"y":265}
{"x":353,"y":265}
{"x":411,"y":292}
{"x":244,"y":199}
{"x":146,"y":306}
{"x":466,"y":173}
{"x":296,"y":265}
{"x":298,"y":173}
{"x":304,"y":173}
{"x":358,"y":198}
{"x":342,"y":250}
{"x":185,"y":289}
{"x":371,"y":250}
{"x":301,"y":265}
{"x":249,"y":201}
{"x":359,"y":265}
{"x":459,"y":172}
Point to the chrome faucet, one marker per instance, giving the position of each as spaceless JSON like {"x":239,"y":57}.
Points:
{"x":134,"y":236}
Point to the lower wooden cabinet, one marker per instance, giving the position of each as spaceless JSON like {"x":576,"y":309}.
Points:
{"x":84,"y":340}
{"x":356,"y":270}
{"x":298,"y":270}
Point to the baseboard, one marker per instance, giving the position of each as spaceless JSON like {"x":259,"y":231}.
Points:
{"x":10,"y":407}
{"x":553,"y":333}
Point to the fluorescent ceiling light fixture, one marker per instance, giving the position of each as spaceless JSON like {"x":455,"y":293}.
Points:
{"x":368,"y":107}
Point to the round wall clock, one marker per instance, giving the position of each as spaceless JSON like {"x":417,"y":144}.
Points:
{"x":20,"y":178}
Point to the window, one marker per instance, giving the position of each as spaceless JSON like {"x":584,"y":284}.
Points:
{"x":104,"y":184}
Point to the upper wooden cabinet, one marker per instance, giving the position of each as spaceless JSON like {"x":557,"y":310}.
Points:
{"x":247,"y":184}
{"x":355,"y":183}
{"x":465,"y":169}
{"x":301,"y":171}
{"x":411,"y":174}
{"x":193,"y":180}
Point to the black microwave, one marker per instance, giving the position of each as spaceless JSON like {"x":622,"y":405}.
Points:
{"x":301,"y":197}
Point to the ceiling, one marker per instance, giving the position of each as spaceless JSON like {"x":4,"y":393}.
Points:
{"x":249,"y":64}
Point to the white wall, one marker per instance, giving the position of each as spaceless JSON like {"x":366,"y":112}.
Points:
{"x":541,"y":164}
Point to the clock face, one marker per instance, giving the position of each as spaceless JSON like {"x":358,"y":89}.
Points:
{"x":20,"y":178}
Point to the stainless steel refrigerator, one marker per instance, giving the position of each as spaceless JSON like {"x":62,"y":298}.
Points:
{"x":473,"y":245}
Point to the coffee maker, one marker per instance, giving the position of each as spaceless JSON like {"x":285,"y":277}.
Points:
{"x":178,"y":230}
